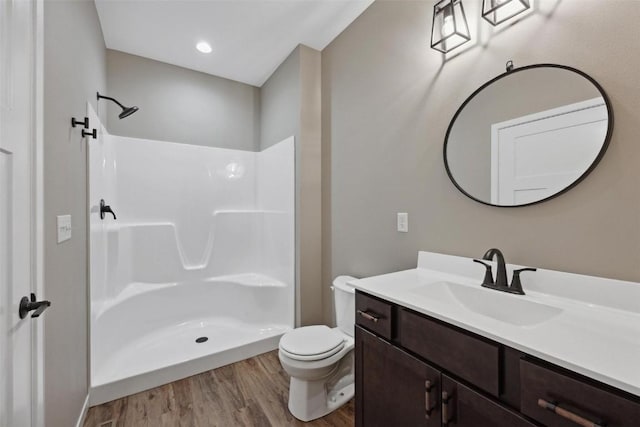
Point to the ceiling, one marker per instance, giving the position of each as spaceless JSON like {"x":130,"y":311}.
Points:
{"x":250,"y":38}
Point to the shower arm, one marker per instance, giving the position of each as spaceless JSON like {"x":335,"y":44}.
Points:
{"x":110,"y":99}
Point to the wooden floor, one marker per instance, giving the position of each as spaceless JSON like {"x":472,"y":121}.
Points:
{"x":253,"y":392}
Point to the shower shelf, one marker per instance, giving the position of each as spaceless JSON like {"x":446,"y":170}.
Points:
{"x":249,"y":279}
{"x":248,"y":211}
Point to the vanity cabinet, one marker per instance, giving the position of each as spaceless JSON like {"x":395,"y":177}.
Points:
{"x":393,"y":388}
{"x":413,"y":370}
{"x":379,"y":322}
{"x":582,"y":399}
{"x":471,"y":358}
{"x":464,"y":407}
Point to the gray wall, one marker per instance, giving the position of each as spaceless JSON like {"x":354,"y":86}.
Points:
{"x":74,"y":69}
{"x":181,"y":105}
{"x":280,"y":102}
{"x":290,"y":105}
{"x":388,"y":98}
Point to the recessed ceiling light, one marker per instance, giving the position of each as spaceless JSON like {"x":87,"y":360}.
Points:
{"x":204,"y":47}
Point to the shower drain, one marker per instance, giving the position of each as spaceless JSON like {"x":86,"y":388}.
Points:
{"x":201,"y":340}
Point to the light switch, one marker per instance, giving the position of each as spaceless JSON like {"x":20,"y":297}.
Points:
{"x":64,"y":228}
{"x":403,"y":222}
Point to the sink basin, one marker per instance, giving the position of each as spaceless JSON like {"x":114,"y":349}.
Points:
{"x":513,"y":309}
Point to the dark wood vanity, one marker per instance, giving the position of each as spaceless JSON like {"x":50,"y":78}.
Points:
{"x":414,"y":370}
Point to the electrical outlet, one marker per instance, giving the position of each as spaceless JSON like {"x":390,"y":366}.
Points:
{"x":403,"y":222}
{"x":64,"y":228}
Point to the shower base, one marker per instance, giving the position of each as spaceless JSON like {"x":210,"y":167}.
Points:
{"x":172,"y":353}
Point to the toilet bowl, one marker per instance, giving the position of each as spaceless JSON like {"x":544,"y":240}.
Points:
{"x":319,"y":359}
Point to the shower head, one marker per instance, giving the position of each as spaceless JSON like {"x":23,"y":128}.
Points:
{"x":126,"y":111}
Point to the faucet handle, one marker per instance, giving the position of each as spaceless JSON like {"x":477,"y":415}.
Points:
{"x":488,"y":275}
{"x":516,"y":284}
{"x":104,"y":209}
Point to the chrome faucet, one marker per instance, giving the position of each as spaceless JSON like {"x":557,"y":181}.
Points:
{"x":501,"y":284}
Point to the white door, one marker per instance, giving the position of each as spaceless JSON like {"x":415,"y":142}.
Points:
{"x":536,"y":156}
{"x":18,"y":343}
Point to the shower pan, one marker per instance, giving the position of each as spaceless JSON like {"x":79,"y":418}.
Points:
{"x":198,"y":269}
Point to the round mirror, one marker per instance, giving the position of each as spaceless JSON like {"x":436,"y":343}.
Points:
{"x":528,"y":135}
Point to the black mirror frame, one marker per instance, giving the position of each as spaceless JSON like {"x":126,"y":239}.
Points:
{"x":593,"y":165}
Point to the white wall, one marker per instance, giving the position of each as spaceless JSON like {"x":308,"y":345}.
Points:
{"x":275,"y":187}
{"x":189,"y":213}
{"x":181,"y":184}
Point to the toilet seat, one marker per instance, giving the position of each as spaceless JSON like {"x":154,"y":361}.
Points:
{"x":311,"y":343}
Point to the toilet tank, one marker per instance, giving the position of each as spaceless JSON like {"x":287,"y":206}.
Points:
{"x":344,"y":302}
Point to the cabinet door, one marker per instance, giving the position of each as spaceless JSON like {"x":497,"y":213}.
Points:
{"x":544,"y":388}
{"x":463,"y":407}
{"x":392,"y":387}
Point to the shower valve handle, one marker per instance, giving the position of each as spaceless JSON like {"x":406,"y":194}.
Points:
{"x":93,"y":134}
{"x":104,"y":208}
{"x":27,"y":305}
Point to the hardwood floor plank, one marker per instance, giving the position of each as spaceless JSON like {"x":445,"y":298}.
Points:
{"x":250,"y":393}
{"x":107,"y":412}
{"x":183,"y":402}
{"x":266,"y":391}
{"x":252,"y":416}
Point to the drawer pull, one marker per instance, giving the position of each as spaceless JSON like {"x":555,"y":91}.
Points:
{"x":429,"y":405}
{"x":445,"y":408}
{"x":553,"y":407}
{"x":368,"y":316}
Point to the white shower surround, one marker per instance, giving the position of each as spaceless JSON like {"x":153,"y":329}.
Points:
{"x":204,"y":245}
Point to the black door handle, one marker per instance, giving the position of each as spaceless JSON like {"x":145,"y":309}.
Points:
{"x":27,"y":305}
{"x":104,"y":208}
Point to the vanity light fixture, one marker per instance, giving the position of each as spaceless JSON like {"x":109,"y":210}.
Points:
{"x":498,"y":11}
{"x":449,"y":29}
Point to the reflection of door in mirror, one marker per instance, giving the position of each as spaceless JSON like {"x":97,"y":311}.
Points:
{"x":535,"y":156}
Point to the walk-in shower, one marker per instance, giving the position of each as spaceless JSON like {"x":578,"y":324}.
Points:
{"x":197,"y":271}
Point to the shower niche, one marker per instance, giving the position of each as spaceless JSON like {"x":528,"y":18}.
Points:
{"x":198,"y":269}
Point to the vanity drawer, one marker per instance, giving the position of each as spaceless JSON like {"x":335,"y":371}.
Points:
{"x":465,"y":356}
{"x":585,"y":403}
{"x":374,"y":314}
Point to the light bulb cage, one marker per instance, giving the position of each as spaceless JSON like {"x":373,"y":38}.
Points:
{"x":459,"y":35}
{"x":492,"y":8}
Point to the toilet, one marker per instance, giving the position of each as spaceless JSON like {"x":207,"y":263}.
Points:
{"x":320,"y":360}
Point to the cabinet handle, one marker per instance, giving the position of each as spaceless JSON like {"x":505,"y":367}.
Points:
{"x":368,"y":316}
{"x":553,"y":407}
{"x":445,"y":408}
{"x":429,"y":405}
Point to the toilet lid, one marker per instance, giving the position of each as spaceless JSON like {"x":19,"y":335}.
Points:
{"x":311,"y":342}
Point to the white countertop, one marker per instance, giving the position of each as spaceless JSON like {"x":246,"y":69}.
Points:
{"x":597,"y":334}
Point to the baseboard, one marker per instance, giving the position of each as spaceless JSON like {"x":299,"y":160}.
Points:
{"x":83,"y":412}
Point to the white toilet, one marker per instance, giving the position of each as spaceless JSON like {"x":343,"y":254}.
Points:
{"x":320,"y":360}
